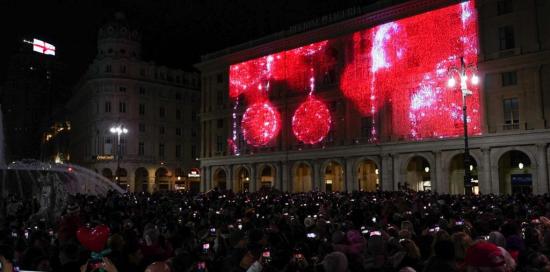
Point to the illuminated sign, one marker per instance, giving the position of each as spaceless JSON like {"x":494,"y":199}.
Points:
{"x":195,"y":173}
{"x":105,"y":157}
{"x":399,"y":68}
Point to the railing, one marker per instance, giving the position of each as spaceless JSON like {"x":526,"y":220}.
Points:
{"x":513,"y":126}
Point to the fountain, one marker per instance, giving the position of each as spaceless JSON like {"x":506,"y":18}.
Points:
{"x":51,"y":184}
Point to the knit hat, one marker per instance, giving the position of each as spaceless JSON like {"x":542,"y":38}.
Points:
{"x":484,"y":254}
{"x":335,"y":262}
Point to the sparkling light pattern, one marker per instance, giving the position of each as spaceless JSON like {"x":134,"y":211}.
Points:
{"x":311,"y":121}
{"x":397,"y":69}
{"x":260,"y":124}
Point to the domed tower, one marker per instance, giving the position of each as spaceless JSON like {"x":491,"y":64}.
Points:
{"x":117,"y":39}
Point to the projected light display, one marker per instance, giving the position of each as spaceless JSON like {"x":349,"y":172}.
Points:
{"x":398,"y":68}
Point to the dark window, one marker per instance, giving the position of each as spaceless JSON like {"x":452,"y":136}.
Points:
{"x":161,"y":150}
{"x":141,"y":127}
{"x":123,"y":68}
{"x":366,"y":127}
{"x":220,"y":123}
{"x":107,"y":106}
{"x":193,"y":133}
{"x":121,"y":107}
{"x":505,"y":7}
{"x":142,"y":71}
{"x":219,"y":78}
{"x":141,"y":109}
{"x":178,"y":96}
{"x":193,"y":116}
{"x":193,"y":152}
{"x":122,"y":89}
{"x":178,"y":131}
{"x":506,"y":37}
{"x":161,"y":130}
{"x":511,"y":111}
{"x":178,"y":114}
{"x":162,"y":112}
{"x":141,"y":149}
{"x":219,"y":98}
{"x":141,"y":90}
{"x":108,"y":68}
{"x":219,"y":143}
{"x":178,"y":151}
{"x":509,"y":78}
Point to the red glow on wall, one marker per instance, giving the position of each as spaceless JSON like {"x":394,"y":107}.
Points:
{"x":260,"y":124}
{"x":311,"y":121}
{"x":397,"y":70}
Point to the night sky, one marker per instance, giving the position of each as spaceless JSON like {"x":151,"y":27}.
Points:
{"x":175,"y":32}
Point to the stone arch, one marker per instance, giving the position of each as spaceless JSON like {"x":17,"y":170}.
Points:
{"x":516,"y":172}
{"x":242,"y":178}
{"x":108,"y":173}
{"x":496,"y":155}
{"x":267,"y":174}
{"x":414,"y":176}
{"x":333,"y":175}
{"x":302,"y":177}
{"x":454,"y":166}
{"x":367,"y":173}
{"x":162,"y":179}
{"x":219,"y":178}
{"x":141,"y":180}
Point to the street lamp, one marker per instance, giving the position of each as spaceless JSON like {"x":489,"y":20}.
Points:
{"x":118,"y":130}
{"x":462,"y":73}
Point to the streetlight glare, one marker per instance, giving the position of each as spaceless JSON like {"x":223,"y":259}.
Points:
{"x":475,"y":80}
{"x":124,"y":130}
{"x":452,"y":82}
{"x":113,"y":130}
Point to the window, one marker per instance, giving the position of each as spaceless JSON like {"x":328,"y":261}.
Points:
{"x":141,"y":109}
{"x":178,"y":114}
{"x":509,"y":78}
{"x":178,"y":96}
{"x":161,"y":129}
{"x":505,"y":7}
{"x":193,"y":152}
{"x":141,"y":90}
{"x":108,"y":68}
{"x":219,"y":143}
{"x":108,"y":146}
{"x":219,"y":98}
{"x":162,"y":112}
{"x":141,"y":149}
{"x":122,"y":89}
{"x":141,"y":127}
{"x":506,"y":37}
{"x":511,"y":111}
{"x":193,"y":133}
{"x":178,"y":131}
{"x":219,"y":78}
{"x":122,"y":107}
{"x":161,"y":150}
{"x":366,"y":127}
{"x":107,"y":106}
{"x":178,"y":151}
{"x":123,"y":69}
{"x":220,"y":123}
{"x":142,"y":72}
{"x":193,"y":116}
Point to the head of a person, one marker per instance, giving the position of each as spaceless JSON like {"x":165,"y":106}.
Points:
{"x":461,"y":242}
{"x":335,"y":261}
{"x":483,"y":256}
{"x":497,"y":238}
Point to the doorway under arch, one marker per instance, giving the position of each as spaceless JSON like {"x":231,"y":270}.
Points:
{"x":267,"y":176}
{"x":333,"y":177}
{"x":106,"y":172}
{"x":243,"y":180}
{"x":456,"y":175}
{"x":162,"y":179}
{"x":121,"y":178}
{"x":220,"y":179}
{"x":368,"y":176}
{"x":301,"y":181}
{"x":141,"y":181}
{"x":418,"y":174}
{"x":515,"y":173}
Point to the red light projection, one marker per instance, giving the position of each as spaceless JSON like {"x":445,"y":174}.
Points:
{"x":311,"y":121}
{"x":398,"y":69}
{"x":260,"y":124}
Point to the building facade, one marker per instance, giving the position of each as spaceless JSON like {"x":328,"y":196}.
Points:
{"x":363,"y":103}
{"x":155,"y":106}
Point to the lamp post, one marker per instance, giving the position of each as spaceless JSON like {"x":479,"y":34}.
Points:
{"x":118,"y":130}
{"x":462,"y":73}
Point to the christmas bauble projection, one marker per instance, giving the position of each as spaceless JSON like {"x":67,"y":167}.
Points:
{"x":399,"y":67}
{"x":311,"y":121}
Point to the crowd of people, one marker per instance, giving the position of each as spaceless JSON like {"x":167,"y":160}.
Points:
{"x":276,"y":231}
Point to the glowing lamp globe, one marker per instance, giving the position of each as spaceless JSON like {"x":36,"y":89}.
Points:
{"x":311,"y":121}
{"x":260,"y":124}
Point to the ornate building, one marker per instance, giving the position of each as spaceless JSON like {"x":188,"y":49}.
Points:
{"x":154,"y":106}
{"x":362,"y":101}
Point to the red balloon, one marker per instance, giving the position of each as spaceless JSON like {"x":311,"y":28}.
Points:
{"x":93,"y":239}
{"x":311,"y":121}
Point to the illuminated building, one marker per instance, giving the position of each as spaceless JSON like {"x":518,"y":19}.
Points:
{"x":363,"y":103}
{"x":157,"y":106}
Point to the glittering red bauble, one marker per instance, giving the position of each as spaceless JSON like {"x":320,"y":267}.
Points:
{"x":260,"y":124}
{"x":311,"y":121}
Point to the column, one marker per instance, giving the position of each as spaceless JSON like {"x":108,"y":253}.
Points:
{"x":203,"y":179}
{"x":385,"y":173}
{"x":495,"y":177}
{"x":285,"y":182}
{"x":317,"y":180}
{"x":229,"y":177}
{"x":440,"y":184}
{"x":396,"y":161}
{"x":208,"y":178}
{"x":278,"y":176}
{"x":348,"y":175}
{"x":542,"y":169}
{"x":253,"y":178}
{"x":485,"y":169}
